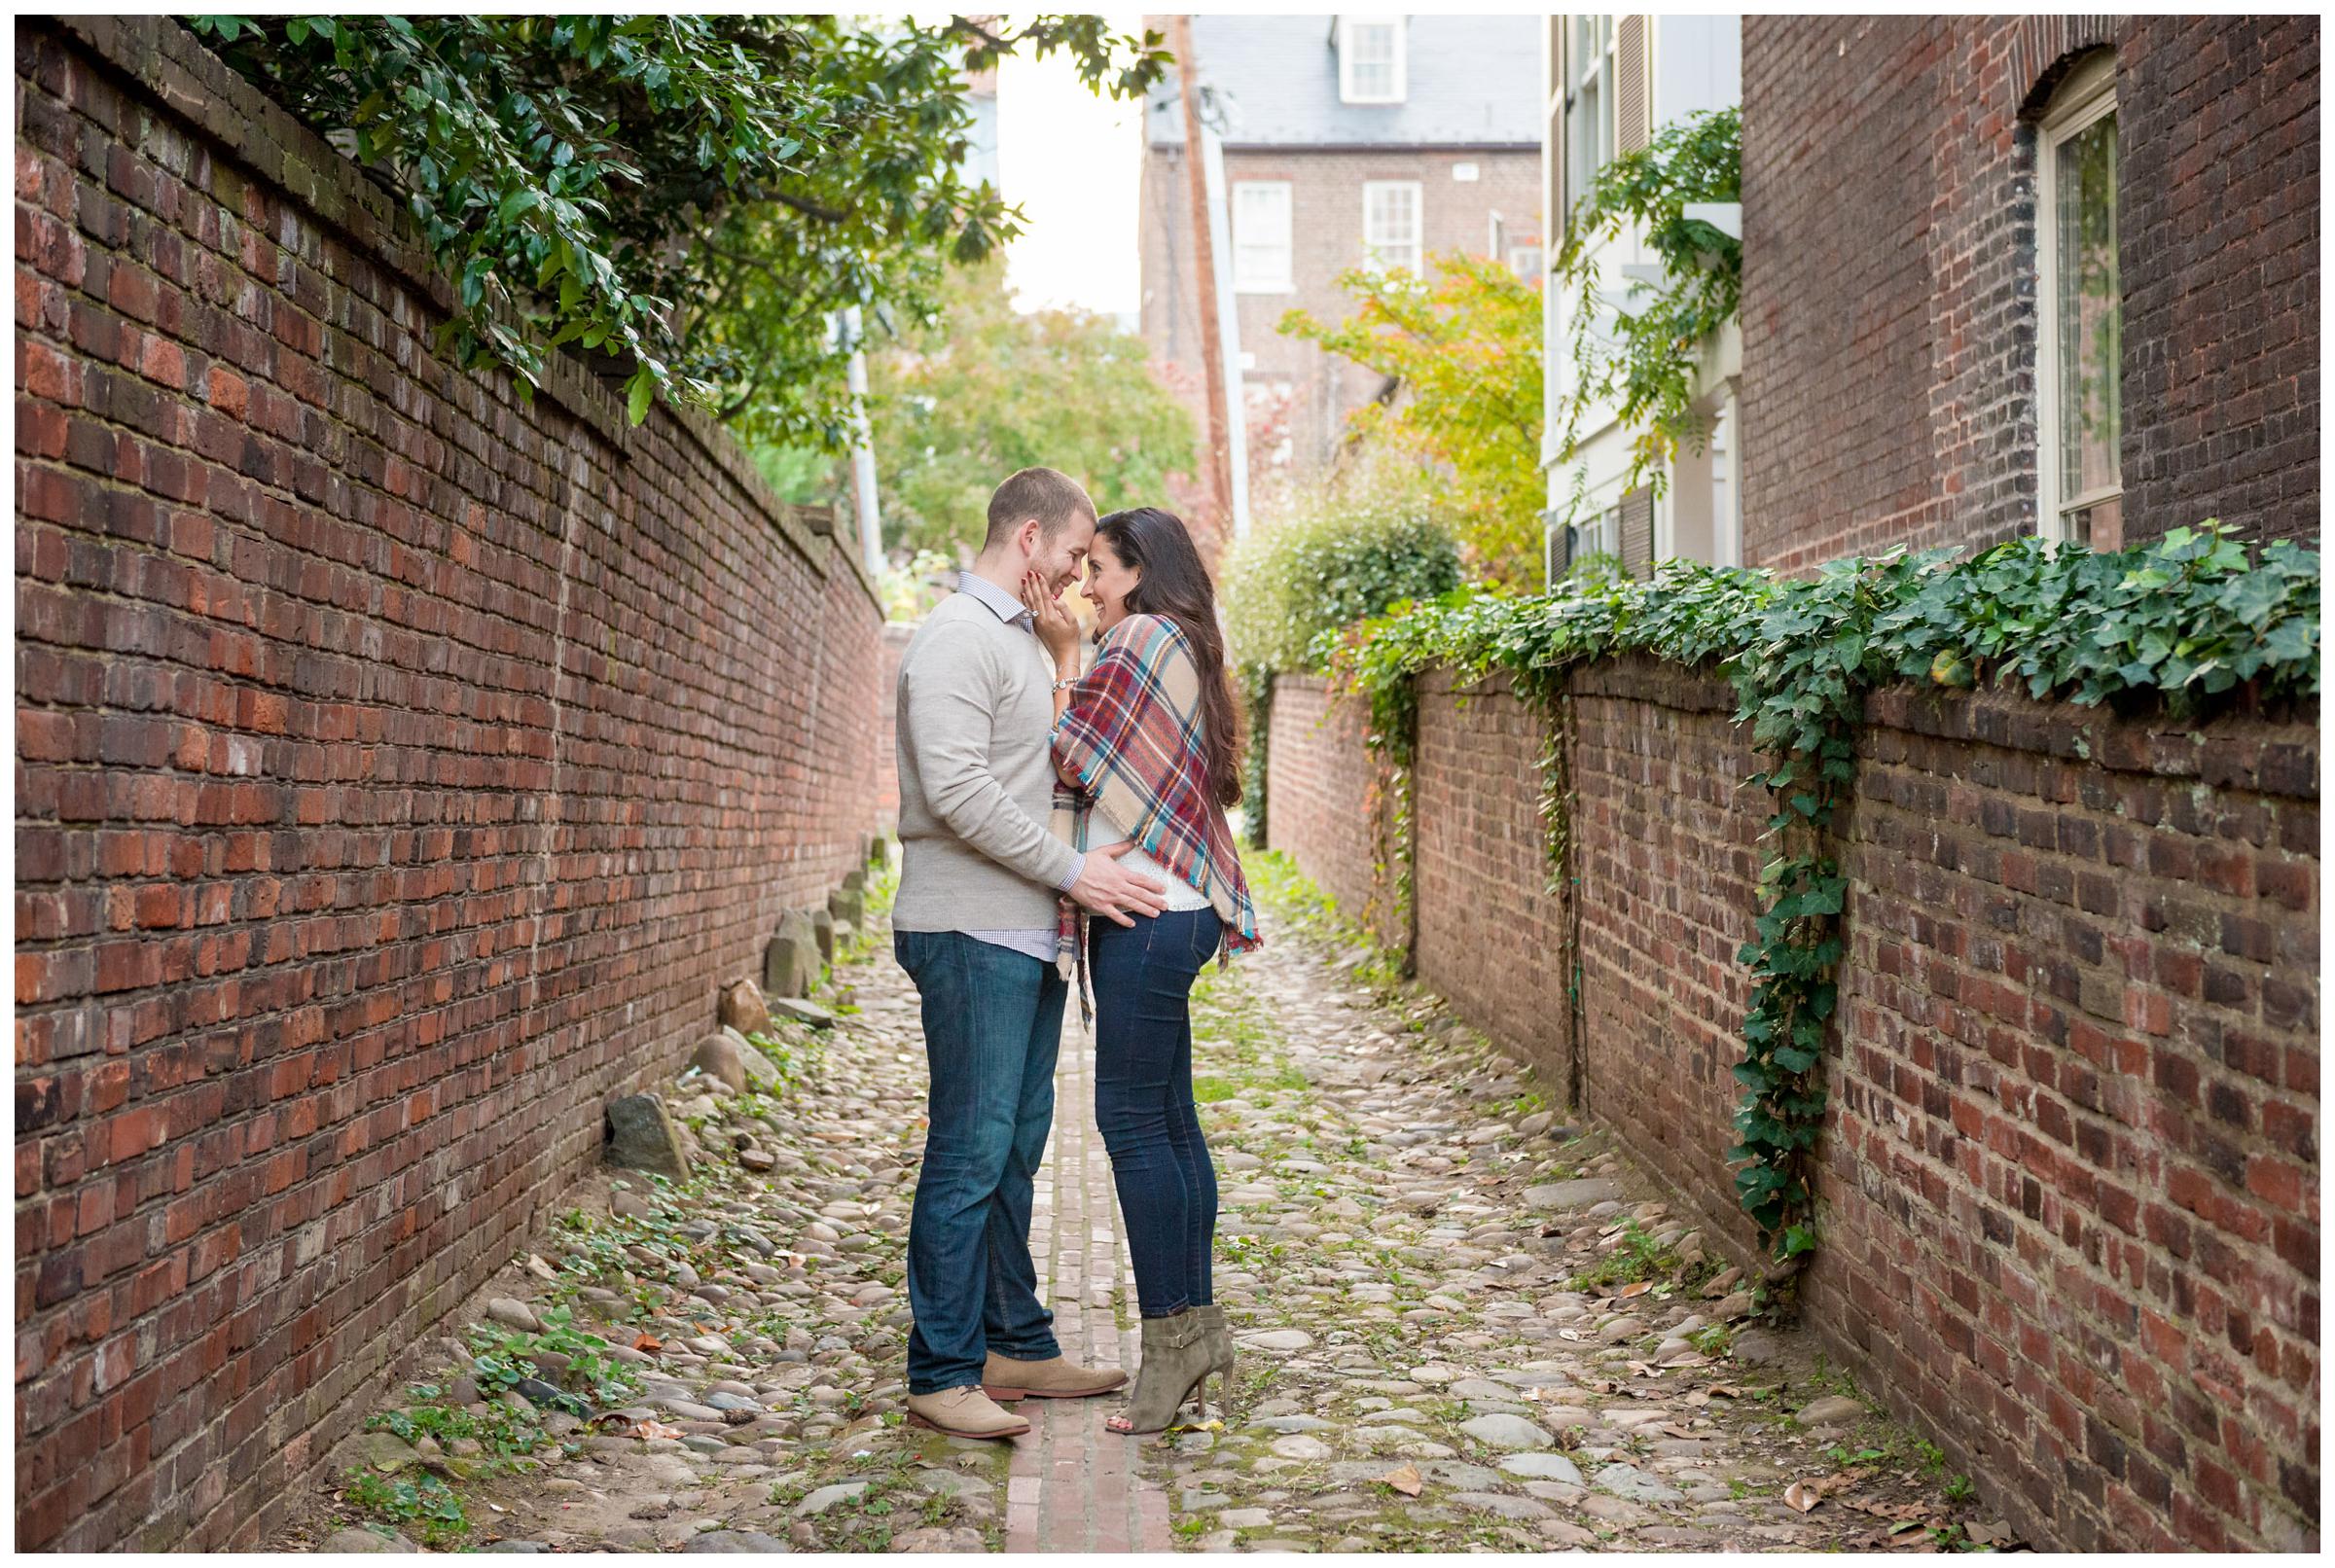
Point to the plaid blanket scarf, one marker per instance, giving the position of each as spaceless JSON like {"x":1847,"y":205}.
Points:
{"x":1130,"y":742}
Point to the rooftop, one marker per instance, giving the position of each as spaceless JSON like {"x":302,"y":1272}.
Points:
{"x":1472,"y":82}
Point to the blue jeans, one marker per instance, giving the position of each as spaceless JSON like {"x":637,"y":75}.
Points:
{"x":992,"y":1025}
{"x":1143,"y":1105}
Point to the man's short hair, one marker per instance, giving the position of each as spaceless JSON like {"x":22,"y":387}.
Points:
{"x":1053,"y":497}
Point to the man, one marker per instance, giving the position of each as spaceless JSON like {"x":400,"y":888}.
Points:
{"x":973,"y":925}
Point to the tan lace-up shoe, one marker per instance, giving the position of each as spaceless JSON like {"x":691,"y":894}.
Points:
{"x":1058,"y":1378}
{"x":963,"y":1412}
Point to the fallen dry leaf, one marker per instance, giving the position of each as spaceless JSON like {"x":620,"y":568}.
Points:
{"x":1802,"y":1496}
{"x":1403,"y":1480}
{"x":1639,"y":1288}
{"x":1569,"y":1333}
{"x":1724,"y":1391}
{"x":655,"y":1429}
{"x":648,"y":1342}
{"x":1674,"y":1430}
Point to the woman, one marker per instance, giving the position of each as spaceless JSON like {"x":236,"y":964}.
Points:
{"x":1148,"y":748}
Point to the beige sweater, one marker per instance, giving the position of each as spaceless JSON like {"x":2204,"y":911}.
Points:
{"x":976,"y":714}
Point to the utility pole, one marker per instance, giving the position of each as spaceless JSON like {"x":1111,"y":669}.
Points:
{"x":1228,"y":331}
{"x":863,"y":451}
{"x":1204,"y":256}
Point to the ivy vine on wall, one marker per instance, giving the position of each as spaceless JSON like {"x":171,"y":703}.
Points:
{"x":2188,"y":622}
{"x":1637,"y":348}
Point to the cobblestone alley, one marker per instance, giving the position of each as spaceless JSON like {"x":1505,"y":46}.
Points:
{"x":1464,"y":1326}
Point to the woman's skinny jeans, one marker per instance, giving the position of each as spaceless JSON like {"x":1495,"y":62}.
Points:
{"x":1142,"y":979}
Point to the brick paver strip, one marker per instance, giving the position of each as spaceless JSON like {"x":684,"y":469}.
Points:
{"x":1075,"y":1486}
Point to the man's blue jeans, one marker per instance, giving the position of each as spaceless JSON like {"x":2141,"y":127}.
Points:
{"x":993,"y":1026}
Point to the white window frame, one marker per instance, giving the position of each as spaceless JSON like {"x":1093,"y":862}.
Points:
{"x":1373,"y":256}
{"x":1594,"y":73}
{"x":1399,"y":63}
{"x":1600,"y":536}
{"x":2083,"y":101}
{"x":1247,"y":278}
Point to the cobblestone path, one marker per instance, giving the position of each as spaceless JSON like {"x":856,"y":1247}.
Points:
{"x":1462,"y":1327}
{"x":1467,"y":1326}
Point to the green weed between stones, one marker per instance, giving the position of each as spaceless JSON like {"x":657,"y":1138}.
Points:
{"x":1715,"y":1340}
{"x":1637,"y":1257}
{"x":426,"y":1502}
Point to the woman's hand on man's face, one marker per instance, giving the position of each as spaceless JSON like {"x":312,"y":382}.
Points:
{"x":1057,"y":626}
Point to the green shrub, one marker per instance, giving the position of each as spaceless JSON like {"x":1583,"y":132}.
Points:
{"x":1334,"y":553}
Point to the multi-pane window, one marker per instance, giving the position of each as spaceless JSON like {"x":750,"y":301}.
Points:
{"x":1599,"y":535}
{"x":1370,"y":59}
{"x":1261,"y":245}
{"x":1391,"y":223}
{"x":2080,"y":346}
{"x":1587,"y":104}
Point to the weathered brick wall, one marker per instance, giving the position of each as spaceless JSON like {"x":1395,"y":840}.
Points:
{"x":2069,"y":1183}
{"x":1488,"y":929}
{"x":2071,"y":1164}
{"x":1317,"y":799}
{"x":1889,"y":307}
{"x":1666,"y":851}
{"x":2221,"y":241}
{"x":400,"y":767}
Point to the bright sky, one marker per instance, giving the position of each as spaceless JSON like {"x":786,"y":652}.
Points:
{"x":1071,"y":161}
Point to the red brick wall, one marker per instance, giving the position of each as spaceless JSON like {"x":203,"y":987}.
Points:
{"x":2071,"y":1166}
{"x":2069,"y":1183}
{"x":1316,"y":802}
{"x":2221,"y":241}
{"x":401,"y":766}
{"x":1888,"y":309}
{"x":1482,"y":873}
{"x":1667,"y":852}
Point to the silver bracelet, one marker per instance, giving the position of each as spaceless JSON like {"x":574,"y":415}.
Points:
{"x":1068,"y":680}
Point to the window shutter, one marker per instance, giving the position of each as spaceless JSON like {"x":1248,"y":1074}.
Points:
{"x":1638,"y":532}
{"x":1633,"y":113}
{"x":1556,"y":546}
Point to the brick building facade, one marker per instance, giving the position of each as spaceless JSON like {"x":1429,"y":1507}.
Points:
{"x":401,"y":768}
{"x":1463,"y":135}
{"x":1893,"y":314}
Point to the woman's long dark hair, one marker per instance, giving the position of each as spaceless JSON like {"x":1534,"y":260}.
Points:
{"x":1176,"y":584}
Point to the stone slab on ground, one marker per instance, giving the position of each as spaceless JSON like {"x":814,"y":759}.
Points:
{"x":641,"y":1135}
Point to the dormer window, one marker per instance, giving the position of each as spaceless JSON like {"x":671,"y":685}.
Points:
{"x":1370,"y":59}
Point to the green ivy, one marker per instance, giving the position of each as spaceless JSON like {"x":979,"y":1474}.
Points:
{"x":2188,"y":622}
{"x":1637,"y":360}
{"x":691,"y":196}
